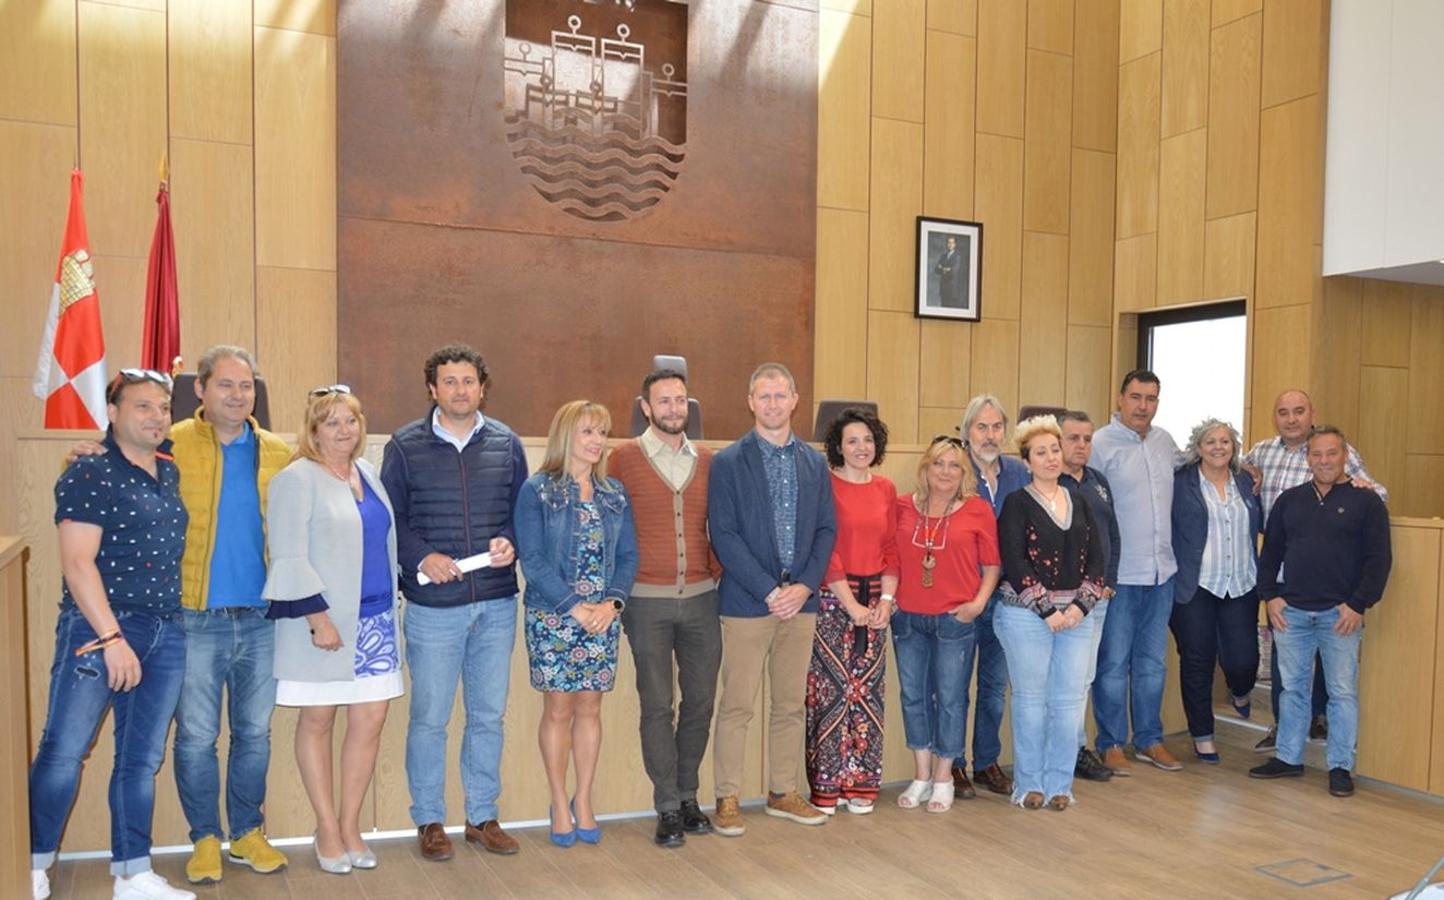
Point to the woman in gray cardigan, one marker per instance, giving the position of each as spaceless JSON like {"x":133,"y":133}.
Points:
{"x":332,"y":587}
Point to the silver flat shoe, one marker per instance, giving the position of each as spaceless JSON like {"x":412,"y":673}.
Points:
{"x":340,"y":865}
{"x":363,"y":860}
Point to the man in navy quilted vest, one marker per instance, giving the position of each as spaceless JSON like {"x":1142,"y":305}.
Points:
{"x":453,"y":478}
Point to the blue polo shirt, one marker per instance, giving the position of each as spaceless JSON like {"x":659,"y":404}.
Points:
{"x":1013,"y":475}
{"x":238,"y":560}
{"x":143,"y":525}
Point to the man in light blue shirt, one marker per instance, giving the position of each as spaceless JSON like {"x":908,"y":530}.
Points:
{"x":1138,"y":460}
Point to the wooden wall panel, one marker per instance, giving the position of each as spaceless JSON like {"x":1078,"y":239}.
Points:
{"x":943,"y":363}
{"x":1385,"y":335}
{"x":1295,"y":49}
{"x":1383,"y":404}
{"x":1185,"y":66}
{"x":932,"y":421}
{"x":1233,"y":118}
{"x":897,"y":187}
{"x":1044,"y":324}
{"x":948,"y":130}
{"x":844,"y":71}
{"x":999,"y":205}
{"x":209,"y":56}
{"x":1046,"y":151}
{"x":1138,"y":111}
{"x":1002,"y":66}
{"x":1135,"y":273}
{"x":892,"y":371}
{"x":1228,"y":256}
{"x":1426,"y":373}
{"x":1050,"y":25}
{"x":14,"y":740}
{"x":1089,"y":380}
{"x":957,"y":16}
{"x":1182,"y":169}
{"x":1436,"y":765}
{"x":1424,"y":480}
{"x":212,"y":196}
{"x":1090,"y":239}
{"x":122,"y":307}
{"x":122,"y":124}
{"x":319,"y":16}
{"x":840,"y":333}
{"x":1280,"y":359}
{"x":1337,"y":324}
{"x":295,"y":139}
{"x":1140,"y":29}
{"x":996,"y":360}
{"x":897,"y":45}
{"x":295,"y":337}
{"x":1095,"y":74}
{"x":37,"y":62}
{"x":1289,"y":211}
{"x":1225,"y":11}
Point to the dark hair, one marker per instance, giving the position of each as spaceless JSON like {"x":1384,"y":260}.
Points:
{"x":832,"y":442}
{"x":456,"y":353}
{"x":657,"y":375}
{"x":1143,"y":376}
{"x":1073,"y":415}
{"x":1327,"y":429}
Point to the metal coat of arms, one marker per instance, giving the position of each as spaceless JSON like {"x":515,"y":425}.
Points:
{"x":596,"y":102}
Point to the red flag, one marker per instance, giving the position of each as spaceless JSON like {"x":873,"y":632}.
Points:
{"x":70,"y":373}
{"x":160,"y":342}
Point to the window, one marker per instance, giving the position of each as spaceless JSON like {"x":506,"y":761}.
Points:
{"x":1198,"y":353}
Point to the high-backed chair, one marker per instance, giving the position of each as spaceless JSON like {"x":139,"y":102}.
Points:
{"x":183,"y":400}
{"x":1037,"y":409}
{"x":694,"y":409}
{"x":829,"y":410}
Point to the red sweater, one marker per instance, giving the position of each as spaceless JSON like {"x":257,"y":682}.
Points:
{"x":866,"y":528}
{"x":676,"y":556}
{"x":968,"y":541}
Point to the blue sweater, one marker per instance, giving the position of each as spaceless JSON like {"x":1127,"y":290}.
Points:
{"x":1190,"y":526}
{"x":739,"y":517}
{"x":1332,"y":551}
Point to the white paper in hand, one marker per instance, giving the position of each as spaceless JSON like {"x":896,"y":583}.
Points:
{"x":470,"y":564}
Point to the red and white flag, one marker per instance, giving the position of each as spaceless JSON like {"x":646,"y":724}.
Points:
{"x":70,"y":374}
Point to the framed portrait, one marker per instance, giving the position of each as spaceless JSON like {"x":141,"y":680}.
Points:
{"x":949,"y":270}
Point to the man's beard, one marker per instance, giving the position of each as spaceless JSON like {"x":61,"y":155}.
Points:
{"x":681,"y":428}
{"x":987,"y":455}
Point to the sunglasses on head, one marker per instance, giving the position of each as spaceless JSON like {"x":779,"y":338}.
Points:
{"x":330,"y":389}
{"x":136,"y":376}
{"x":946,"y":439}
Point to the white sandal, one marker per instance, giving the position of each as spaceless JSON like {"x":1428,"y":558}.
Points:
{"x":916,"y":795}
{"x":859,"y":806}
{"x":942,"y":798}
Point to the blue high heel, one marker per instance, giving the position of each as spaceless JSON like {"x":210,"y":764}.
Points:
{"x":588,"y":835}
{"x":561,"y":840}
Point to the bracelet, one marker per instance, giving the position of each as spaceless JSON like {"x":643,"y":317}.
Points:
{"x":100,"y":643}
{"x":888,"y":598}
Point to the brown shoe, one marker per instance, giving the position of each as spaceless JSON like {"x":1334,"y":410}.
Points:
{"x":491,"y":838}
{"x":1114,"y":759}
{"x":435,"y":845}
{"x":994,"y":779}
{"x":792,"y":807}
{"x":1033,"y":800}
{"x":962,"y":787}
{"x":727,"y":820}
{"x":1159,"y":756}
{"x":1058,"y":803}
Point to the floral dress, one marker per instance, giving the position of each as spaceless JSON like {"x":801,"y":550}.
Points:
{"x":563,"y":656}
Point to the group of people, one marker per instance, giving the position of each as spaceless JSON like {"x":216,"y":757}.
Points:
{"x":206,"y":558}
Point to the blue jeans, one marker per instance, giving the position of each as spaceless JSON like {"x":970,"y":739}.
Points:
{"x":79,"y":696}
{"x":1099,"y":615}
{"x":1049,"y":670}
{"x":933,"y":654}
{"x":1130,"y":666}
{"x":470,"y":643}
{"x":1309,"y":633}
{"x":234,"y":648}
{"x":1320,"y":699}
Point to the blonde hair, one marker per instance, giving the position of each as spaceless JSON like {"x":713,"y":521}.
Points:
{"x":559,"y":438}
{"x":968,"y":487}
{"x":318,"y":409}
{"x":1033,"y":427}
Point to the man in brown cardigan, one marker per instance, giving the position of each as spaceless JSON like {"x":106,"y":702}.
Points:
{"x":673,"y":608}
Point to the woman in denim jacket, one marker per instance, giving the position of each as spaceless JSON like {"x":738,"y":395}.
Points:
{"x":578,"y":553}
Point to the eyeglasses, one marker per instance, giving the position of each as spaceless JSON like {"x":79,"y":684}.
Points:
{"x":136,"y":376}
{"x":330,"y":389}
{"x":947,"y":439}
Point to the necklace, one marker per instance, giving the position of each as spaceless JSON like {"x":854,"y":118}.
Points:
{"x":930,"y":533}
{"x":345,"y":476}
{"x":1053,"y":500}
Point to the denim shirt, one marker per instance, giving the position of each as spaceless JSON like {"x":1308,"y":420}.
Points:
{"x":547,"y":542}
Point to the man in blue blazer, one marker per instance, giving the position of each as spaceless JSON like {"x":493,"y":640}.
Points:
{"x":770,"y":514}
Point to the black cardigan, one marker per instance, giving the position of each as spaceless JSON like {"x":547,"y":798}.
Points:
{"x":1044,"y":566}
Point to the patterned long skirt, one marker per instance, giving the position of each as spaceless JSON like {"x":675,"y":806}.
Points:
{"x":844,"y":700}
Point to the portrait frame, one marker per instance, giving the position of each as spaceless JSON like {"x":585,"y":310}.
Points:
{"x":948,"y":282}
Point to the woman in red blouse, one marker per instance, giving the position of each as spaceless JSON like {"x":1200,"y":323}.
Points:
{"x":947,"y":546}
{"x":845,"y":680}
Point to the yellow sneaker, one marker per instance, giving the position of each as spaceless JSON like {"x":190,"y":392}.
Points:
{"x":204,"y":866}
{"x":252,"y":849}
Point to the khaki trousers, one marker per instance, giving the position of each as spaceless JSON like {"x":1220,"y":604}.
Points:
{"x":784,"y":650}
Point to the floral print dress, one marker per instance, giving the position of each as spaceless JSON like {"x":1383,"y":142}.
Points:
{"x":563,"y":656}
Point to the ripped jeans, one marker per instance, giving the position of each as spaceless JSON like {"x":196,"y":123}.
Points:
{"x":79,"y":697}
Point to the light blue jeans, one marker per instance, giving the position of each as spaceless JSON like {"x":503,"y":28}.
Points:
{"x":1048,"y":670}
{"x":1099,"y":615}
{"x":1130,"y":666}
{"x":932,"y":654}
{"x":472,"y":644}
{"x":1308,"y":632}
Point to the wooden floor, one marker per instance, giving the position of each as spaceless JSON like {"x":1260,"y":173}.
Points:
{"x":1208,"y":831}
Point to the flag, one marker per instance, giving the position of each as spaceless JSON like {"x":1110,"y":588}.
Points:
{"x":160,"y":342}
{"x":70,"y":374}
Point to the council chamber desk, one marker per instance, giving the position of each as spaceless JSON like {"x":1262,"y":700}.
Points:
{"x":1402,"y":689}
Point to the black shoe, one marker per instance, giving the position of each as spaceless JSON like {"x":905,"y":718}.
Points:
{"x":1269,"y":741}
{"x":1341,"y":783}
{"x":669,"y":829}
{"x":1276,"y":768}
{"x":1089,"y":767}
{"x":694,"y":821}
{"x":1319,"y":729}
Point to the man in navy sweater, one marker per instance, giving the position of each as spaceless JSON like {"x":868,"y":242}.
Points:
{"x":1332,"y":539}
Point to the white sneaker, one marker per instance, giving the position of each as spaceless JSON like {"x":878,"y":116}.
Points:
{"x":147,"y":886}
{"x":39,"y":884}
